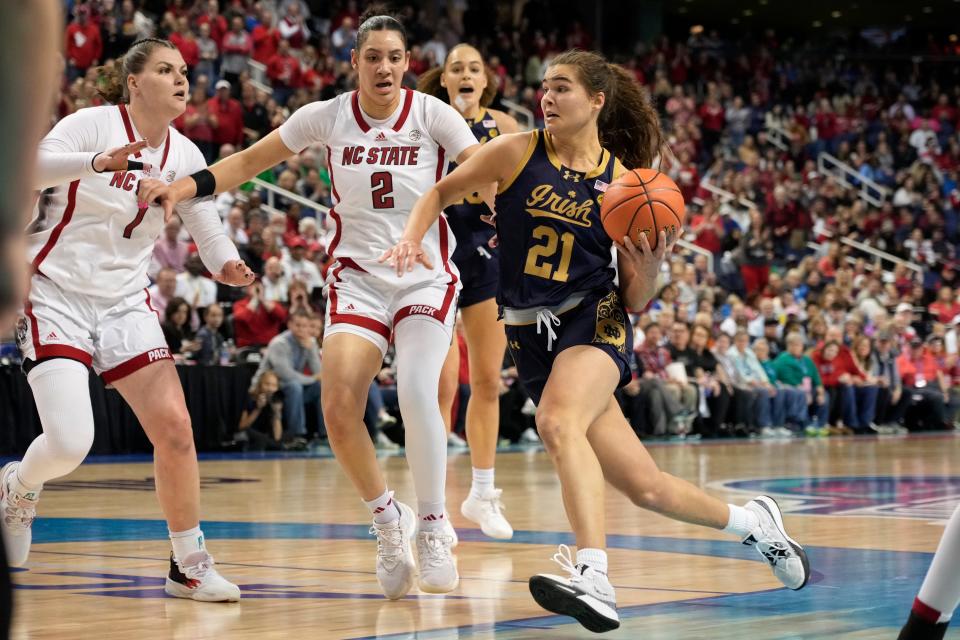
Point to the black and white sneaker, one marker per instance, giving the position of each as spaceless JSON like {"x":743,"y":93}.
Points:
{"x":586,"y":594}
{"x":787,"y":558}
{"x":198,"y":580}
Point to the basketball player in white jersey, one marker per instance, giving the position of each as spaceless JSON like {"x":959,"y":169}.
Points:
{"x":90,"y":244}
{"x":385,"y":147}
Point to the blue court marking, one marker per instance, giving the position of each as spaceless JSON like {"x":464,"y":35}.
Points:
{"x":50,"y":530}
{"x":864,"y":588}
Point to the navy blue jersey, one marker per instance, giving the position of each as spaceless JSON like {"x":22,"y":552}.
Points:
{"x":552,"y":244}
{"x":469,"y":229}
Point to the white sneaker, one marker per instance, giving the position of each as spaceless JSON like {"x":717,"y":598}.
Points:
{"x":529,"y":436}
{"x":787,"y":558}
{"x":384,"y":443}
{"x":456,"y":442}
{"x":449,"y":530}
{"x":18,"y":508}
{"x":768,"y":432}
{"x":438,"y":567}
{"x":486,"y":512}
{"x":586,"y":594}
{"x":395,"y":566}
{"x":784,"y":432}
{"x":198,"y":580}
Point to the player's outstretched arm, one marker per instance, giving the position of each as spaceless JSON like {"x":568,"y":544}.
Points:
{"x":222,"y":176}
{"x":74,"y":149}
{"x":492,"y":163}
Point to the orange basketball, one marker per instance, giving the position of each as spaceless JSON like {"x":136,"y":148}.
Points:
{"x":642,"y":201}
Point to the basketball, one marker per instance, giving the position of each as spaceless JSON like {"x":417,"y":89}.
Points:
{"x":642,"y":201}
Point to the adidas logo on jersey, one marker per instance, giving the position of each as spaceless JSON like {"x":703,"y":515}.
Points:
{"x":380,"y":137}
{"x":52,"y":336}
{"x":350,"y":307}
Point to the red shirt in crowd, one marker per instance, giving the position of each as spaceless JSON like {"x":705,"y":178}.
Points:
{"x":945,"y":312}
{"x":229,"y":116}
{"x":925,"y":365}
{"x":711,"y":113}
{"x":265,"y":41}
{"x":257,"y":327}
{"x":284,"y":70}
{"x":83,"y":44}
{"x":188,"y":48}
{"x":218,"y":26}
{"x":830,"y":371}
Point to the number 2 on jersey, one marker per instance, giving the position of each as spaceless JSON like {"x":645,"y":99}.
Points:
{"x":382,"y":184}
{"x":537,"y":258}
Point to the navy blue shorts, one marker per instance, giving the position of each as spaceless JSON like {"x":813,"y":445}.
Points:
{"x":480,"y":276}
{"x":599,"y":320}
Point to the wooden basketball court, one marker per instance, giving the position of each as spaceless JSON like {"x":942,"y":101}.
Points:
{"x":292,"y":534}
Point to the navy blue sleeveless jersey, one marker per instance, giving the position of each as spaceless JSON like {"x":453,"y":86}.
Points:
{"x":552,"y":244}
{"x":470,"y":231}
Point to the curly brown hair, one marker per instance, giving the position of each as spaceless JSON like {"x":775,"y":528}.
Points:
{"x":629,"y":125}
{"x":429,"y":81}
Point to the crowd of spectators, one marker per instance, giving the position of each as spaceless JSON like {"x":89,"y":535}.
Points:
{"x":777,"y":327}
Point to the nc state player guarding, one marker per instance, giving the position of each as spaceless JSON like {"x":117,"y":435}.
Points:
{"x":90,"y":244}
{"x":385,"y":147}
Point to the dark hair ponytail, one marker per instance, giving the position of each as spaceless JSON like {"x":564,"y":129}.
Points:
{"x":378,"y":18}
{"x":429,"y":81}
{"x":112,"y":79}
{"x":629,"y":126}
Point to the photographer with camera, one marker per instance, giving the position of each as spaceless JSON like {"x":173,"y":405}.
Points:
{"x":256,"y":319}
{"x":294,"y":357}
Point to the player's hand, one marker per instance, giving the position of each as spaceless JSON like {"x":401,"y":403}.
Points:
{"x":116,"y":159}
{"x":166,"y":195}
{"x":405,"y":255}
{"x":645,"y":260}
{"x":235,"y":273}
{"x":152,"y":192}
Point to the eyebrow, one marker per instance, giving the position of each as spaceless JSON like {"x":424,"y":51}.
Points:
{"x":557,"y":79}
{"x":373,"y":50}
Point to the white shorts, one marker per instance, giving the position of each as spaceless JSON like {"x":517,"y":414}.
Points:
{"x":115,"y":336}
{"x":370,"y":307}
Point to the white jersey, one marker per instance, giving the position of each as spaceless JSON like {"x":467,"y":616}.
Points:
{"x":88,"y":234}
{"x":378,"y":170}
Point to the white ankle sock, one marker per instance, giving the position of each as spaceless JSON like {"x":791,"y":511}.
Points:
{"x":482,"y":481}
{"x":742,"y":521}
{"x":187,"y":542}
{"x":596,"y":559}
{"x":383,"y":508}
{"x":431,"y":515}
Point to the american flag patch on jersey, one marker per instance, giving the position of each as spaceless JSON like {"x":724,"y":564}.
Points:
{"x":600,"y":185}
{"x":490,"y":122}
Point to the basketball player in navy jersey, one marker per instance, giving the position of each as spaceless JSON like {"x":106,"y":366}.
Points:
{"x":566,"y":320}
{"x":465,"y":82}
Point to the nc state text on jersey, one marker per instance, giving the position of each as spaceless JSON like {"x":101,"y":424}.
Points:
{"x":384,"y":156}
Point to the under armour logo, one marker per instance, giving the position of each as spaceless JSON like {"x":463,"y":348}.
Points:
{"x":571,"y":175}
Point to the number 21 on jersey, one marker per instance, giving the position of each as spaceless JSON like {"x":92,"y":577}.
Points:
{"x":541,"y":259}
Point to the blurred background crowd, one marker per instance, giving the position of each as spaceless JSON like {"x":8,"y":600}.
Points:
{"x":816,"y":292}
